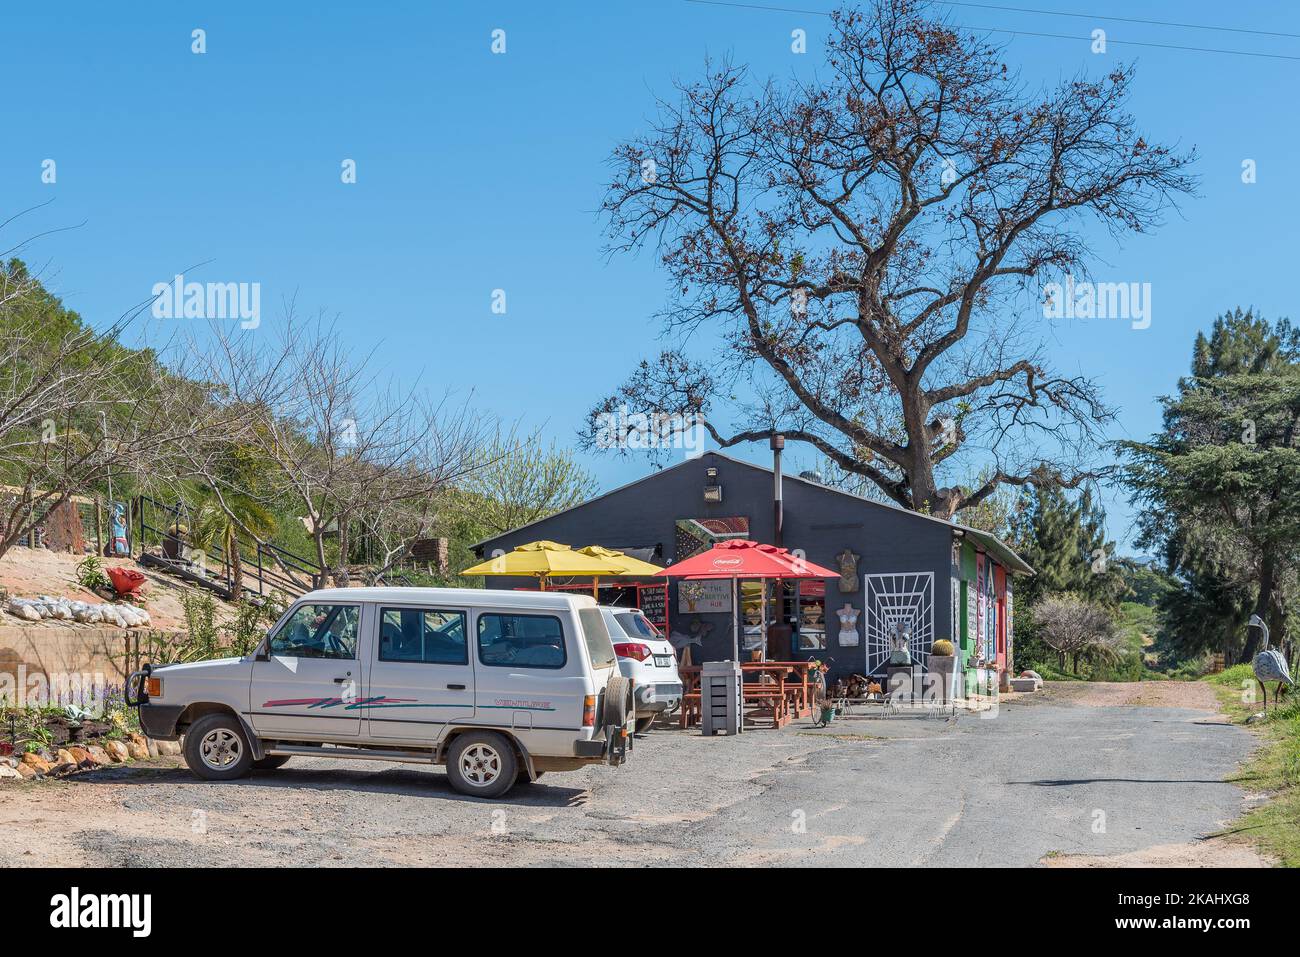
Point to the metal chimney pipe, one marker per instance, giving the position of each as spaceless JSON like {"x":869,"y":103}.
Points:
{"x":778,"y":512}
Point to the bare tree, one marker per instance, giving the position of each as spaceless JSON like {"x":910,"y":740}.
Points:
{"x":344,"y":445}
{"x":78,"y":407}
{"x":524,"y":480}
{"x":1076,"y":629}
{"x":861,"y":247}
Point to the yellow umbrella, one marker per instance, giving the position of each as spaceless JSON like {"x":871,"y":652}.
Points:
{"x":632,"y":567}
{"x":542,"y":560}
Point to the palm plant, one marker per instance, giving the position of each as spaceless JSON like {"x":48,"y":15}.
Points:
{"x":214,"y":524}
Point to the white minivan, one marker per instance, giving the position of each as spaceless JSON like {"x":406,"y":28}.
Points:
{"x":499,"y":686}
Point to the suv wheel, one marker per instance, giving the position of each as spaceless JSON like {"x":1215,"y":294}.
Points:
{"x":482,"y":764}
{"x":216,"y":749}
{"x":271,"y":763}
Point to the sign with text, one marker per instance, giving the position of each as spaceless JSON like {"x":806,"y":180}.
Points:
{"x":703,"y":597}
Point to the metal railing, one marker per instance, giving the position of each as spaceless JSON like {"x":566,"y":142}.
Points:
{"x":275,"y":568}
{"x":282,"y":570}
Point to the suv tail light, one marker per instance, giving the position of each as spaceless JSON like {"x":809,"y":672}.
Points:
{"x":589,"y":711}
{"x":632,"y":649}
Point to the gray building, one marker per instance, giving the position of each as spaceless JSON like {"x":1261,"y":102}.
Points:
{"x":905,"y":577}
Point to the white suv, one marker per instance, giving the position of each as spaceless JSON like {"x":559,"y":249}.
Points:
{"x":647,"y":658}
{"x":497,"y":685}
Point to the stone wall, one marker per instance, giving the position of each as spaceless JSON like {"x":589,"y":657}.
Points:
{"x":65,"y":648}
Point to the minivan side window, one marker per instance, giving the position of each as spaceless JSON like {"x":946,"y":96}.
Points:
{"x":318,"y":631}
{"x":521,"y":641}
{"x":428,"y":636}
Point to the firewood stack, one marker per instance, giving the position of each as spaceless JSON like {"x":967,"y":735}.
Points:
{"x":856,"y":686}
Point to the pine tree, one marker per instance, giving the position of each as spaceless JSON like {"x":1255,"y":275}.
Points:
{"x":1065,"y":542}
{"x":1220,"y":485}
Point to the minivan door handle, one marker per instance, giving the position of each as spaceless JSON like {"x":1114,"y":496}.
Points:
{"x":455,"y":687}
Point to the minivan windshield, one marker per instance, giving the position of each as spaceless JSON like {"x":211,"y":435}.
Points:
{"x":599,"y":646}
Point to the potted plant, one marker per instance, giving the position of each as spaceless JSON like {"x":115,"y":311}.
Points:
{"x":943,"y":664}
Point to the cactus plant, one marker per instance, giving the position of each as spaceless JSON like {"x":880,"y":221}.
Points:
{"x":943,"y":648}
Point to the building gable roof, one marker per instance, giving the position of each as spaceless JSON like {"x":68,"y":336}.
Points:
{"x":986,"y":540}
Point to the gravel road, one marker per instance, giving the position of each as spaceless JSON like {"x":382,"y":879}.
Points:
{"x":1121,"y":774}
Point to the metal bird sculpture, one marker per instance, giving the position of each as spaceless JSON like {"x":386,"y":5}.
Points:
{"x":1269,"y":664}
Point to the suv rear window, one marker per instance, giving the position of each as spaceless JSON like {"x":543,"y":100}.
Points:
{"x":636,"y":623}
{"x":599,"y":648}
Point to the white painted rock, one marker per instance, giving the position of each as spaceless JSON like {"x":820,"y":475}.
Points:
{"x":25,"y":612}
{"x":139,"y":613}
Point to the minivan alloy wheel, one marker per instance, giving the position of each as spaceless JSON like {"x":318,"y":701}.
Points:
{"x":220,"y":748}
{"x":480,"y":764}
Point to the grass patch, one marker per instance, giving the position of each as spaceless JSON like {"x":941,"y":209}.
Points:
{"x":1050,"y":673}
{"x":1274,"y":769}
{"x":1236,"y":677}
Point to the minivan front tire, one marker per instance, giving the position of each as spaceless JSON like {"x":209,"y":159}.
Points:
{"x":216,"y":748}
{"x":482,"y":764}
{"x":271,"y":762}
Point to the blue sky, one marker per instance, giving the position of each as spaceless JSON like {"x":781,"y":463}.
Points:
{"x":478,"y":172}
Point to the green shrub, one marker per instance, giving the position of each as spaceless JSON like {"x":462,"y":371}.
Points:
{"x":201,"y":624}
{"x":90,"y":574}
{"x":249,"y":625}
{"x":1233,"y":676}
{"x":204,"y":637}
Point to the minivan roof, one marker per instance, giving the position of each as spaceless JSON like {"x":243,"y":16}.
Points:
{"x":501,"y":598}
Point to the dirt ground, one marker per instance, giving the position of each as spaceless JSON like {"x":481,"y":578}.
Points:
{"x":1212,"y":852}
{"x":28,"y":572}
{"x":1022,"y":787}
{"x":1141,"y":694}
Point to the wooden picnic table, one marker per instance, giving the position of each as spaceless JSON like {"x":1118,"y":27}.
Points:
{"x":782,"y":700}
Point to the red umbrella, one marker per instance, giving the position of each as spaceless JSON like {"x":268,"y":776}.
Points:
{"x":737,"y":558}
